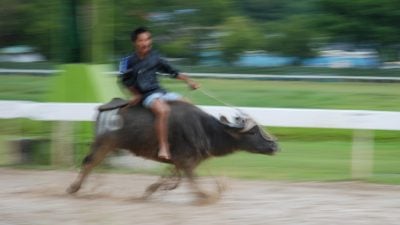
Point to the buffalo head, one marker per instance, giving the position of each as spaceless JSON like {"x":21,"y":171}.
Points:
{"x":250,"y":136}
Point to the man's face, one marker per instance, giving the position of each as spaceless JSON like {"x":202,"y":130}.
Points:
{"x":143,"y":43}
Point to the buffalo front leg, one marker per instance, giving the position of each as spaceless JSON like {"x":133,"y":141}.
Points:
{"x":203,"y":197}
{"x":193,"y":184}
{"x":97,"y":155}
{"x":167,"y":182}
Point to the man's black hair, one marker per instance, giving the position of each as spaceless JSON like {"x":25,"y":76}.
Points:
{"x":137,"y":31}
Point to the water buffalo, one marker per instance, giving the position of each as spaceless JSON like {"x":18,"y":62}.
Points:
{"x":194,"y":136}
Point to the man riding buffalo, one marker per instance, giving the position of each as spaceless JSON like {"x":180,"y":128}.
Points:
{"x":139,"y":74}
{"x":184,"y":135}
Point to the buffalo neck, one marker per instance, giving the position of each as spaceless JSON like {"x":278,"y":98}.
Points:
{"x":221,"y":142}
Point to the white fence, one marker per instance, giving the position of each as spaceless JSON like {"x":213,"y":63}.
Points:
{"x":362,"y":121}
{"x":278,"y":117}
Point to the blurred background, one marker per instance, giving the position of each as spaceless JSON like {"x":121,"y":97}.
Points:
{"x":327,"y":33}
{"x":68,"y":50}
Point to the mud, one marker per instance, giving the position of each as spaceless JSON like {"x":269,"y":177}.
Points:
{"x":38,"y":197}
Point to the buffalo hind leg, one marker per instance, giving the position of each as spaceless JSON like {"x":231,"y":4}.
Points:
{"x":97,"y":155}
{"x":173,"y":180}
{"x":167,"y":182}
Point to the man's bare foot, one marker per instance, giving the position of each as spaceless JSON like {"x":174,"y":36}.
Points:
{"x":163,"y":153}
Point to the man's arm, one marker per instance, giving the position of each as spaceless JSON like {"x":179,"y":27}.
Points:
{"x":167,"y":68}
{"x":192,"y":84}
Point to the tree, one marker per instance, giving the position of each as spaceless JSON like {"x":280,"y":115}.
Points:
{"x":239,"y":34}
{"x":264,"y":10}
{"x":12,"y":25}
{"x":362,"y":22}
{"x":179,"y":48}
{"x":23,"y":22}
{"x":290,"y":37}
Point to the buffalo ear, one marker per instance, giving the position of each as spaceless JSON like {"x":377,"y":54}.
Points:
{"x":223,"y":120}
{"x":230,"y":126}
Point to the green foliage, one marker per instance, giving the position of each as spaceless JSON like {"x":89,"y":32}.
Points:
{"x":180,"y":47}
{"x":25,"y":22}
{"x":291,"y":37}
{"x":176,"y":30}
{"x":264,"y":10}
{"x":239,"y":34}
{"x":104,"y":26}
{"x":209,"y":13}
{"x":361,"y":22}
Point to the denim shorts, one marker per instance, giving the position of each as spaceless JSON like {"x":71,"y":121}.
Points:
{"x":169,"y":96}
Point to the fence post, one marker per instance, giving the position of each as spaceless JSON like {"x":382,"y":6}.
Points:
{"x":62,"y":144}
{"x":362,"y":155}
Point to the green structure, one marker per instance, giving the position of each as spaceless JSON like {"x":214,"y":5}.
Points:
{"x":78,"y":83}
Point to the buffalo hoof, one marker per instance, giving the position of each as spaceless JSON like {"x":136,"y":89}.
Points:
{"x":73,"y":188}
{"x":206,"y":199}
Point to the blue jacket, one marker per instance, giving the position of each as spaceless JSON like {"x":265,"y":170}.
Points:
{"x":142,"y":73}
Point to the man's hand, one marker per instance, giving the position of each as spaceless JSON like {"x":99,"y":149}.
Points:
{"x":137,"y":97}
{"x":134,"y":101}
{"x":193,"y":85}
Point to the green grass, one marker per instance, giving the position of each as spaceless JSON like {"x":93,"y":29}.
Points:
{"x":306,"y":161}
{"x":24,"y":87}
{"x":387,"y":161}
{"x":32,"y":65}
{"x":284,"y":70}
{"x":294,"y":94}
{"x":307,"y":154}
{"x":290,"y":94}
{"x":298,"y":160}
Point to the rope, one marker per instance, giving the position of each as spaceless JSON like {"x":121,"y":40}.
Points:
{"x":207,"y":93}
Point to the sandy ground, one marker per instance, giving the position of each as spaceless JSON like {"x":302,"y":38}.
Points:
{"x":38,"y":197}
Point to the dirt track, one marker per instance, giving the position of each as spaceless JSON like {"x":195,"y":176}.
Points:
{"x":32,"y":198}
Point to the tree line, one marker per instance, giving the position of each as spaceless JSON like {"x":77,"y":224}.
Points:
{"x":98,"y":30}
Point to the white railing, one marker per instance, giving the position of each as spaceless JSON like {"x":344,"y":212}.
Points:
{"x":363,"y":122}
{"x":235,"y":76}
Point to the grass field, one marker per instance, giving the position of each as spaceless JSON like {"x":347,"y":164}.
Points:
{"x":308,"y":160}
{"x":20,"y":87}
{"x":295,"y":94}
{"x":282,"y":70}
{"x":307,"y":154}
{"x":256,"y":93}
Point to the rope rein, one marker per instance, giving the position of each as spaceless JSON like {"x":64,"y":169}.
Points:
{"x":212,"y":96}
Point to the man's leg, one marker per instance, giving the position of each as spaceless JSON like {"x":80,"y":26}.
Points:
{"x":161,"y":111}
